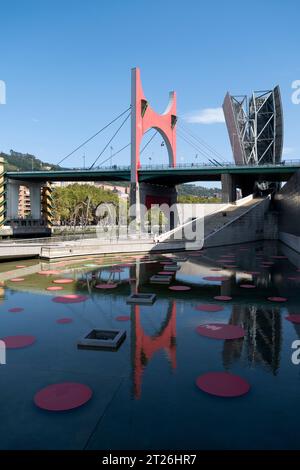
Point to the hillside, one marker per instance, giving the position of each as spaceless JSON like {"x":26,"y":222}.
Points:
{"x":25,"y":162}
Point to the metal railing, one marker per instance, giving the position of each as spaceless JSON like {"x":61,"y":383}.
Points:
{"x":191,"y":165}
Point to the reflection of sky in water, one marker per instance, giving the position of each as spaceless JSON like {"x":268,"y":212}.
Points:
{"x":145,"y":394}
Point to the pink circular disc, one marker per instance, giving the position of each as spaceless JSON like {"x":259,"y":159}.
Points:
{"x":294,"y":318}
{"x":277,"y":299}
{"x":17,"y":279}
{"x":106,"y":286}
{"x":20,"y":341}
{"x":70,"y":299}
{"x":221,"y":331}
{"x":63,"y":396}
{"x":215,"y":278}
{"x":165,"y":273}
{"x":20,"y":266}
{"x":222,"y":297}
{"x":63,"y":281}
{"x":209,"y":308}
{"x":49,"y":272}
{"x":223,"y":384}
{"x":123,"y":318}
{"x":63,"y":321}
{"x":16,"y":310}
{"x":54,"y":288}
{"x":247,"y":286}
{"x":179,"y":288}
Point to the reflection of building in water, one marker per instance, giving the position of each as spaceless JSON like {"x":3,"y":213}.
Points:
{"x":262,"y":343}
{"x":144,"y":346}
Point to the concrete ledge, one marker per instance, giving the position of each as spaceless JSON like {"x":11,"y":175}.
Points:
{"x":290,"y":240}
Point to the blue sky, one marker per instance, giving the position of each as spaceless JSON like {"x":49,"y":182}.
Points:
{"x":66,"y":65}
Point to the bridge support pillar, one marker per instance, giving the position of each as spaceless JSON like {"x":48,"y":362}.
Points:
{"x":12,"y":199}
{"x":35,"y":200}
{"x":228,"y":188}
{"x":2,"y":192}
{"x":157,"y":195}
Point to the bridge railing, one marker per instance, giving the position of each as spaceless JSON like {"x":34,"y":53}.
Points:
{"x":188,"y":166}
{"x":195,"y":165}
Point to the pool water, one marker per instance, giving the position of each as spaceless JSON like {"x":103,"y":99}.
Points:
{"x":144,"y":395}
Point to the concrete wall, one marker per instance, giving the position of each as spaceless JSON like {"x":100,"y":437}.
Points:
{"x":253,"y":225}
{"x":287,"y":202}
{"x":188,"y":211}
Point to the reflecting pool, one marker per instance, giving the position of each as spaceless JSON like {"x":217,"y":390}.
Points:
{"x":144,"y":395}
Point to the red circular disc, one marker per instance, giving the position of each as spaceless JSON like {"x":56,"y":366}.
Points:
{"x":215,"y":278}
{"x":123,"y":318}
{"x":64,"y":320}
{"x":106,"y":286}
{"x":277,"y":299}
{"x":54,"y":288}
{"x":209,"y":308}
{"x":16,"y":310}
{"x":247,"y":286}
{"x":63,"y":396}
{"x":17,"y":279}
{"x":165,"y":273}
{"x":20,"y":266}
{"x":222,"y":297}
{"x":294,"y":318}
{"x":49,"y":272}
{"x":223,"y":384}
{"x":63,"y":281}
{"x":221,"y":331}
{"x":182,"y":288}
{"x":20,"y":341}
{"x":69,"y":299}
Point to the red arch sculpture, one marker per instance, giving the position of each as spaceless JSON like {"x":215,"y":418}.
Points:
{"x":143,"y":118}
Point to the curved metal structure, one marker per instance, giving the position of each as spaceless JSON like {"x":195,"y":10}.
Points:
{"x":255,"y":127}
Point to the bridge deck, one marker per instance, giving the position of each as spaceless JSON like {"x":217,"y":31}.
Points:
{"x":163,"y":174}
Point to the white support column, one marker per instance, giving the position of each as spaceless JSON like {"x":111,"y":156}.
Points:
{"x":35,"y":200}
{"x":12,"y":201}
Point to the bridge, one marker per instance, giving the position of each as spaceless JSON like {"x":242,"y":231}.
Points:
{"x":149,"y":184}
{"x":165,"y":175}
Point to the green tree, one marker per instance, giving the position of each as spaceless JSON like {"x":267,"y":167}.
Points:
{"x":78,"y":198}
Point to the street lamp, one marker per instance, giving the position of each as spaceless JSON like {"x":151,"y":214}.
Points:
{"x":111,"y":154}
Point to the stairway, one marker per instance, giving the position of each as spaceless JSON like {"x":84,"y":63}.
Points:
{"x":216,"y":221}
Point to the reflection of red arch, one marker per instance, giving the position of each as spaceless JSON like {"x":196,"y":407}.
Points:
{"x":144,"y":118}
{"x":146,"y":346}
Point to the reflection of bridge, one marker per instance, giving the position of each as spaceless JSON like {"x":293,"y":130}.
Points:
{"x":145,"y":346}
